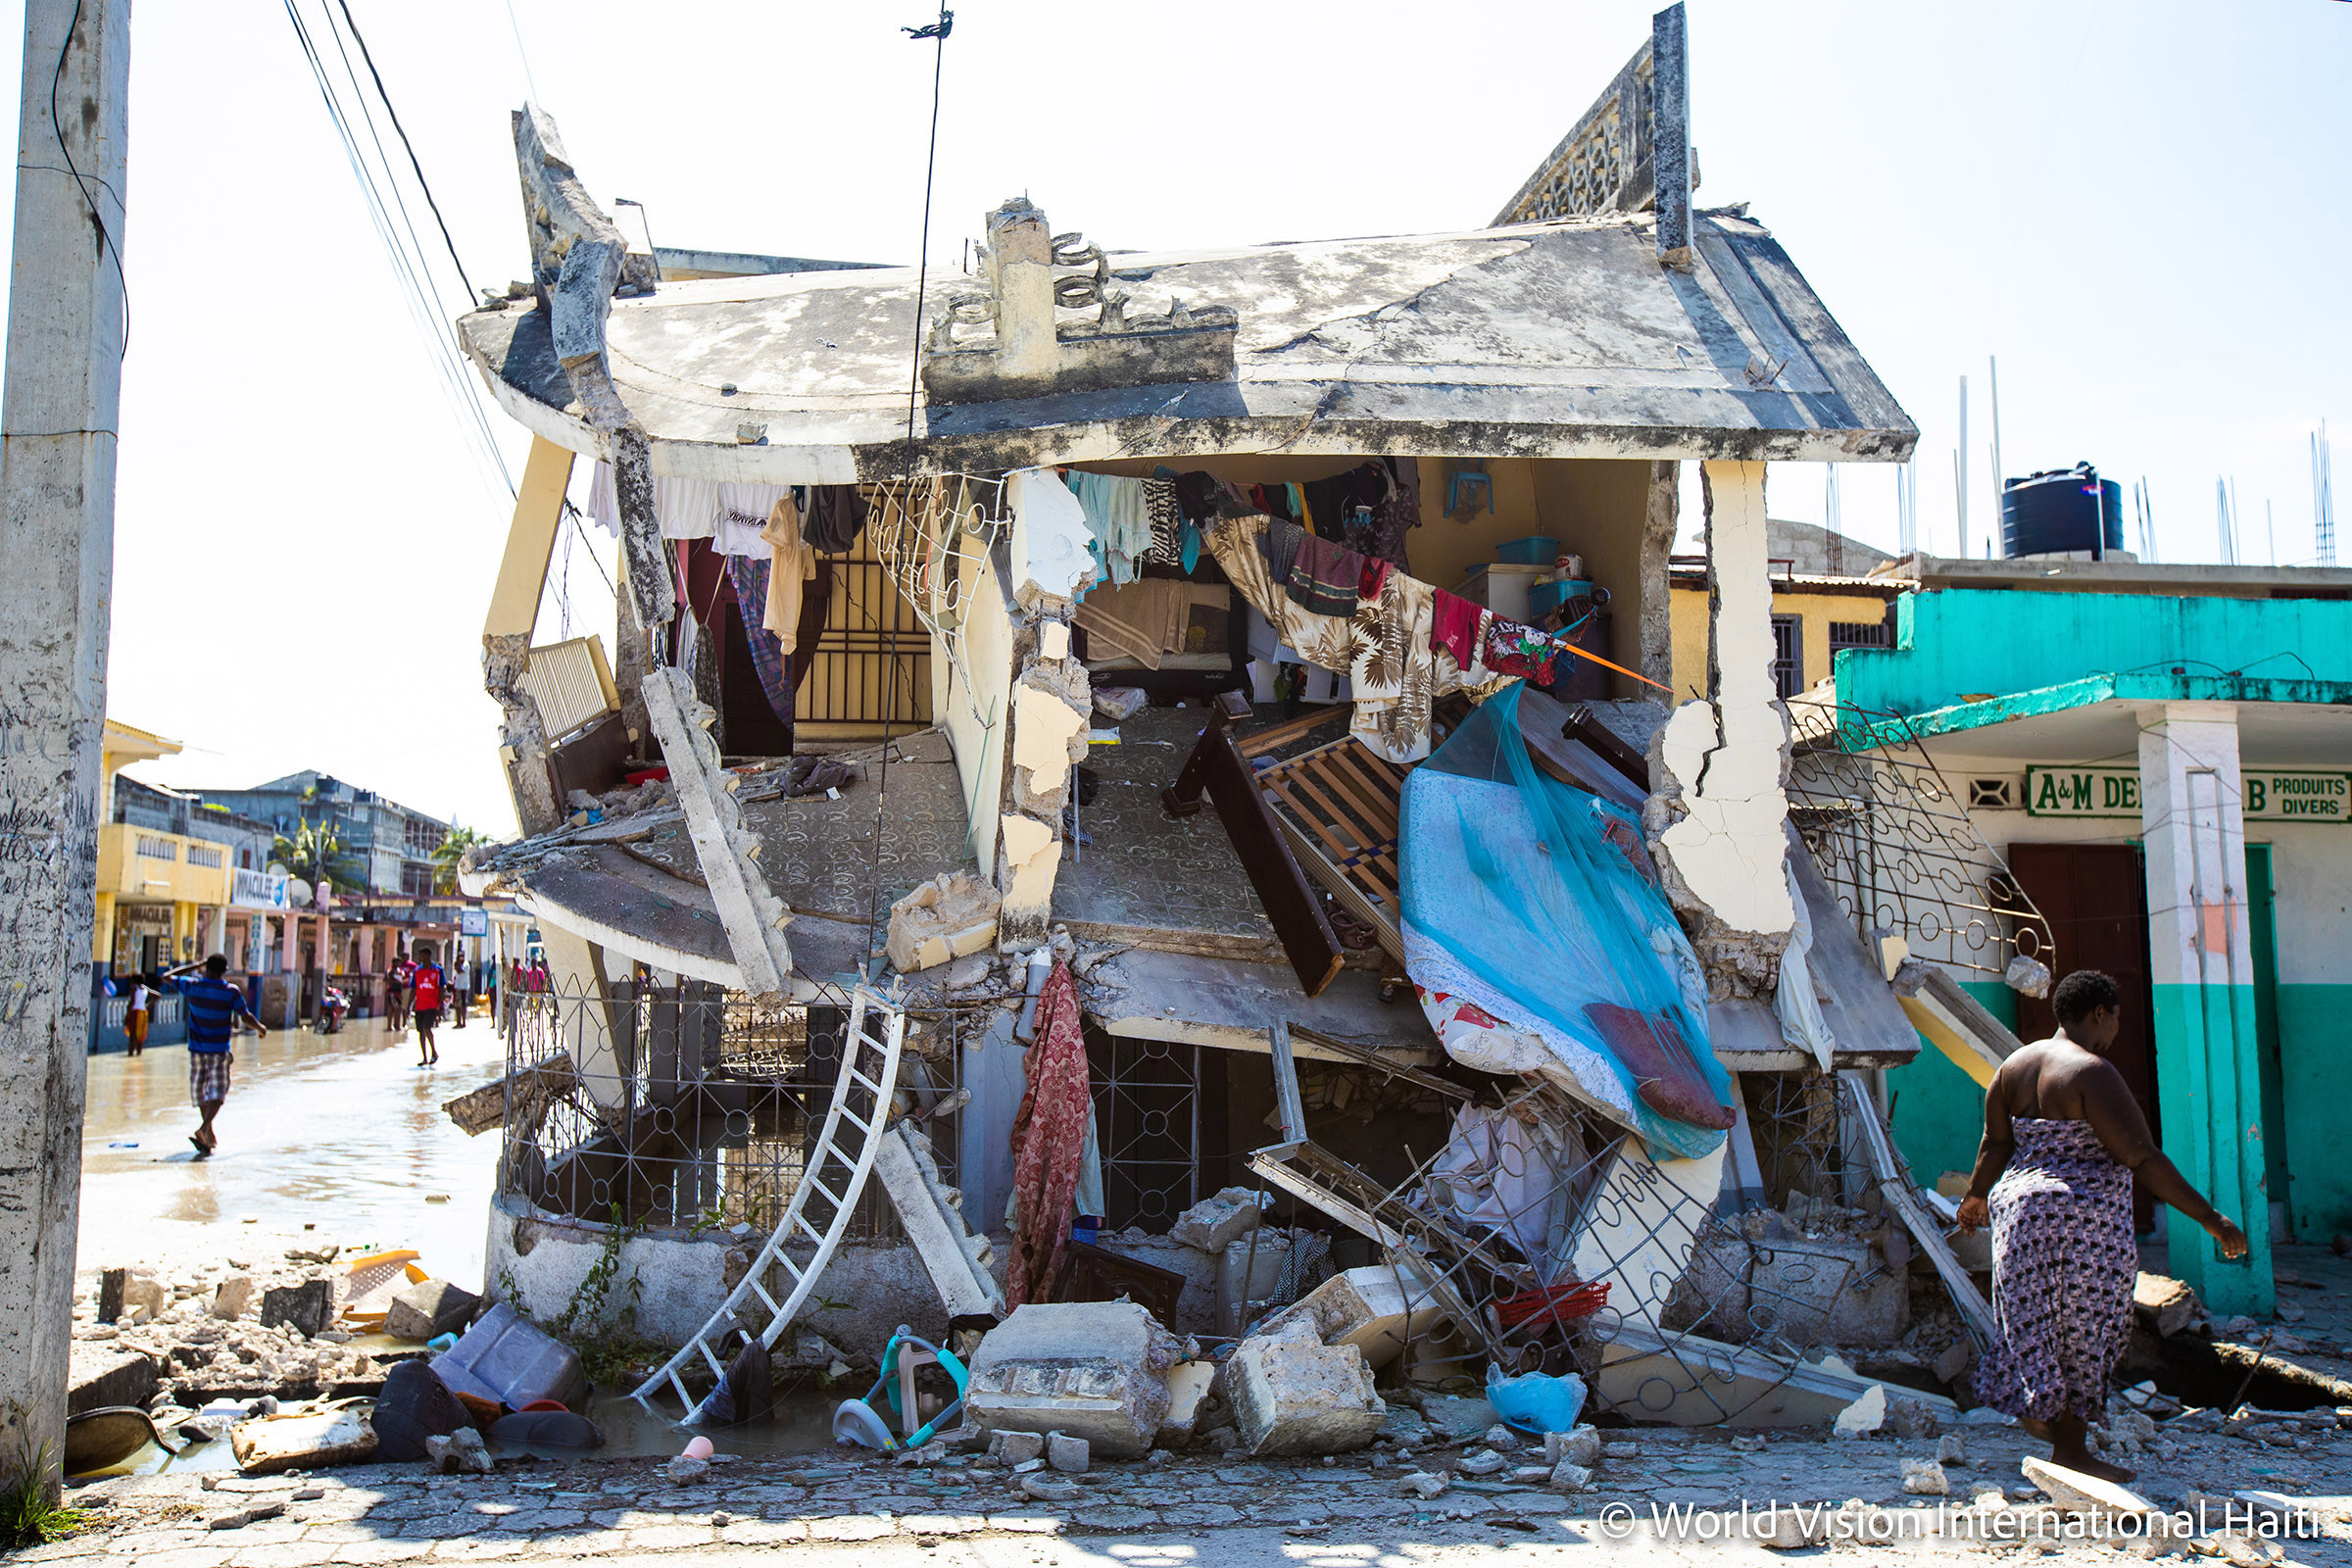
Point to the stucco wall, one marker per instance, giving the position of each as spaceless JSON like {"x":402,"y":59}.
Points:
{"x":1687,"y":609}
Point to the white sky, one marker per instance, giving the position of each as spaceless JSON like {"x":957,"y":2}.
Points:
{"x":2141,"y":208}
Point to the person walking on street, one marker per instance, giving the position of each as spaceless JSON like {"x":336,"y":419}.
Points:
{"x":213,"y":1008}
{"x":135,"y":1017}
{"x":2063,"y":1141}
{"x":396,"y":991}
{"x":429,"y":985}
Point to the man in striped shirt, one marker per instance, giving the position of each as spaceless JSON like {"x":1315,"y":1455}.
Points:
{"x":213,"y":1008}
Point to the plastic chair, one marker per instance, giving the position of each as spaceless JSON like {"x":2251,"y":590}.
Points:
{"x":858,"y":1421}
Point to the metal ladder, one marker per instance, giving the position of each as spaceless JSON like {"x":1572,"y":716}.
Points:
{"x":870,"y":1066}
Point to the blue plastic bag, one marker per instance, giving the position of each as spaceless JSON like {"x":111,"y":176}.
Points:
{"x":1537,"y":1403}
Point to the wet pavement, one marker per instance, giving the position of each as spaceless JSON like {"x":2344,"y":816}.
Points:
{"x":324,"y":1138}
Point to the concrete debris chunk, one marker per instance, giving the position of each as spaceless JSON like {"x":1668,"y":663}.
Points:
{"x":232,"y":1297}
{"x":1189,"y":1386}
{"x":930,"y":1453}
{"x":1423,"y":1485}
{"x":1215,"y":1223}
{"x":122,"y":1293}
{"x":1067,"y":1453}
{"x":307,"y":1308}
{"x":269,"y":1445}
{"x":98,"y":1376}
{"x":1911,"y":1420}
{"x":1293,"y":1394}
{"x":1458,"y":1417}
{"x":1569,"y":1476}
{"x":461,"y":1453}
{"x":1501,"y":1439}
{"x":245,"y":1516}
{"x":2073,"y":1491}
{"x":429,"y":1309}
{"x":1378,"y":1308}
{"x":2165,"y":1305}
{"x":1925,"y":1478}
{"x":681,"y":1471}
{"x":1784,"y":1529}
{"x":1044,"y":1486}
{"x":950,"y":916}
{"x":1864,"y":1416}
{"x":1581,"y":1446}
{"x":1017,"y":1448}
{"x":1403,"y":1425}
{"x":1480,"y":1462}
{"x":1951,"y":1449}
{"x":1097,"y":1370}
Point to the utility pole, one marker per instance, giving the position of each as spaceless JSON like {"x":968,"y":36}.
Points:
{"x":63,"y":384}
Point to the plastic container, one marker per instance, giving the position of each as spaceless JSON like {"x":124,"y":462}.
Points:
{"x":1535,"y":550}
{"x":505,"y":1358}
{"x":2066,"y":512}
{"x":1543,"y":597}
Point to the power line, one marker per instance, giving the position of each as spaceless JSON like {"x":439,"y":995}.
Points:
{"x":421,"y":183}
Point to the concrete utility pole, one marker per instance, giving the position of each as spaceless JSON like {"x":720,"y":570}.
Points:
{"x":62,"y":386}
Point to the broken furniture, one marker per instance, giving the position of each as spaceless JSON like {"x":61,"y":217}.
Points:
{"x":859,"y":1421}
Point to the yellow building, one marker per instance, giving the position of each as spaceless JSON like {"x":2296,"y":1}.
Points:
{"x":1814,"y":615}
{"x":167,"y":886}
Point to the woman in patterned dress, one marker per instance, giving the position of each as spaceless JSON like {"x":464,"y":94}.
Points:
{"x":2063,"y":1139}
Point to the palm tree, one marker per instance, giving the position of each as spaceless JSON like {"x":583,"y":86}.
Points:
{"x":314,"y":853}
{"x":459,"y":840}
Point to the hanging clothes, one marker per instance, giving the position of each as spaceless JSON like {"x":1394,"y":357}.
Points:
{"x":1370,"y":575}
{"x":792,"y":566}
{"x":832,"y":516}
{"x":1398,"y":512}
{"x":1166,"y":515}
{"x":1118,"y":516}
{"x":750,"y":580}
{"x":1049,"y":1143}
{"x":1513,"y":649}
{"x":1324,"y":578}
{"x":1456,"y":627}
{"x":1277,"y":546}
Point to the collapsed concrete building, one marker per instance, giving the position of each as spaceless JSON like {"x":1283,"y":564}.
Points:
{"x":1492,"y":962}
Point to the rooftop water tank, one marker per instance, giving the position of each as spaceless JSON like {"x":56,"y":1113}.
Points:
{"x":2062,"y":511}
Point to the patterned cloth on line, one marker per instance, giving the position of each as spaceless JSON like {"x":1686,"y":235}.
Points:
{"x":208,"y":1076}
{"x":769,"y":661}
{"x":1049,"y":1143}
{"x":1325,"y":578}
{"x":2063,"y":1266}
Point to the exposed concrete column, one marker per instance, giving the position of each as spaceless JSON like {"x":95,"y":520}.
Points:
{"x":57,"y":482}
{"x":1719,"y":810}
{"x":524,"y":741}
{"x":1052,"y":702}
{"x":1660,"y":522}
{"x":2201,"y":962}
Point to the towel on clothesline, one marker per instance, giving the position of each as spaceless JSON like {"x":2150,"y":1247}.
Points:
{"x":1326,"y":577}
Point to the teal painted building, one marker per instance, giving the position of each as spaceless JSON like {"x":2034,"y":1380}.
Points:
{"x":2162,"y":757}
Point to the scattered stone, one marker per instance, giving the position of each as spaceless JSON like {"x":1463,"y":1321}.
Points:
{"x":681,"y":1471}
{"x":463,"y":1451}
{"x":233,"y":1299}
{"x":1215,"y":1223}
{"x":1501,"y":1439}
{"x":1480,"y":1462}
{"x":1189,"y":1386}
{"x":305,"y":1308}
{"x":1460,"y":1418}
{"x":2075,"y":1492}
{"x":1293,"y":1394}
{"x":1867,"y":1414}
{"x":428,"y":1310}
{"x":1067,"y":1453}
{"x":1925,"y":1478}
{"x":317,"y":1441}
{"x":1790,"y":1529}
{"x":1951,"y":1449}
{"x":1530,"y":1474}
{"x":2165,"y":1305}
{"x":98,"y":1375}
{"x":1403,"y":1425}
{"x":1423,"y":1485}
{"x":1569,"y":1476}
{"x":1017,"y":1448}
{"x":245,"y":1516}
{"x":1157,"y":1457}
{"x":1911,"y":1420}
{"x":1581,"y":1446}
{"x":1043,"y":1486}
{"x":930,"y":1453}
{"x":309,"y":1494}
{"x":968,"y":972}
{"x":267,"y":1404}
{"x":1619,"y":1451}
{"x":1953,"y":1365}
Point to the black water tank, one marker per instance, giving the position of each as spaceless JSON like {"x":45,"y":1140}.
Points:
{"x":2061,"y":510}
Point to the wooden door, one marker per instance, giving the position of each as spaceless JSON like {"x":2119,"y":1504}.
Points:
{"x":2095,"y":896}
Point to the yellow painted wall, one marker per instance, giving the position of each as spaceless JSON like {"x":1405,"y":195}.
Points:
{"x":1595,"y":508}
{"x":1687,"y":608}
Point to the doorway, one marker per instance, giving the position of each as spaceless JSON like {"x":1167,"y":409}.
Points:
{"x":2095,"y":897}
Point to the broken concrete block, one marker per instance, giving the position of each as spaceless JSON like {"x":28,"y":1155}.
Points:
{"x":1953,"y":1365}
{"x":1044,"y":1486}
{"x":1017,"y":1448}
{"x":1501,"y":1439}
{"x":1864,"y":1416}
{"x":1423,"y":1485}
{"x":1480,"y":1462}
{"x":1458,"y":1417}
{"x":245,"y":1516}
{"x":124,"y":1293}
{"x":1404,"y":1426}
{"x":431,"y":1309}
{"x":1583,"y":1446}
{"x":680,"y":1471}
{"x":459,"y":1452}
{"x":1093,"y":1369}
{"x":2165,"y":1305}
{"x":948,"y":917}
{"x":233,"y":1299}
{"x":1292,"y":1394}
{"x":1951,"y":1449}
{"x":1786,"y":1528}
{"x":1569,"y":1476}
{"x":1912,"y":1420}
{"x":2076,"y":1492}
{"x":269,"y":1445}
{"x":1378,"y":1308}
{"x":1189,"y":1383}
{"x":307,"y":1308}
{"x":98,"y":1376}
{"x":930,"y":1453}
{"x":1067,"y":1453}
{"x":1925,"y":1478}
{"x":1215,"y":1223}
{"x":1825,"y":1289}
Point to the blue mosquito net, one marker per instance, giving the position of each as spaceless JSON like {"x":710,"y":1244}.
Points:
{"x":1538,"y":902}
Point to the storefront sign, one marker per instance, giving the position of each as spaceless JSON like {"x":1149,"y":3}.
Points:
{"x":473,"y":922}
{"x":258,"y":889}
{"x":2272,"y":795}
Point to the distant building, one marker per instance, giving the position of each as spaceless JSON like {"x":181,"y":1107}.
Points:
{"x":394,"y":842}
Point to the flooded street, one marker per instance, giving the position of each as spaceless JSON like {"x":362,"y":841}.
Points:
{"x":341,"y":1134}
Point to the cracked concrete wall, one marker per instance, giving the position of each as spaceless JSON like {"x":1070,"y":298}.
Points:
{"x":1052,"y":715}
{"x":1660,"y":522}
{"x":1717,"y":818}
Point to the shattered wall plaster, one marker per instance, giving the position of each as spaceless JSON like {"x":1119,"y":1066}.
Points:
{"x":1030,"y":854}
{"x":1049,"y":556}
{"x":1044,"y":725}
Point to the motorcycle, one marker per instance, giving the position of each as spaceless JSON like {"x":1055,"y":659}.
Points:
{"x":332,"y":1005}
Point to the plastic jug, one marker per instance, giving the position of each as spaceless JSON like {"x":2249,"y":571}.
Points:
{"x":505,"y":1358}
